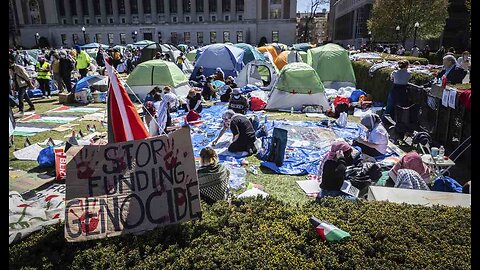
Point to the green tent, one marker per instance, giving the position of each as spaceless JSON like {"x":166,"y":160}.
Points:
{"x":191,"y":55}
{"x":156,"y":72}
{"x":303,"y":55}
{"x":332,"y":63}
{"x":250,"y":53}
{"x":297,"y":85}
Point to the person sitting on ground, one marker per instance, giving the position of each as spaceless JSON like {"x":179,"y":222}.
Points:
{"x":171,"y":98}
{"x":411,"y":161}
{"x":243,"y":133}
{"x":148,"y":108}
{"x":199,"y":76}
{"x":238,"y":102}
{"x":464,"y":61}
{"x":410,"y":179}
{"x":194,"y":101}
{"x":398,"y":93}
{"x":377,"y":139}
{"x":158,"y":55}
{"x":212,"y":177}
{"x":226,"y":91}
{"x":454,"y":73}
{"x":332,"y":170}
{"x":209,"y":90}
{"x":219,"y":75}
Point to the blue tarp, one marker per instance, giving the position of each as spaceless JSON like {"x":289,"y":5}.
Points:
{"x":226,"y":57}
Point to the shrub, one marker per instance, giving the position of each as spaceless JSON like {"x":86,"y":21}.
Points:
{"x":268,"y":234}
{"x":379,"y":85}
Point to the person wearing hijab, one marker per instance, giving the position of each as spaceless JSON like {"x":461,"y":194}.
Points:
{"x":219,"y":74}
{"x":238,"y":103}
{"x":411,"y":161}
{"x":451,"y":70}
{"x":162,"y":116}
{"x":212,"y":177}
{"x":377,"y":136}
{"x":410,"y":179}
{"x":332,"y":170}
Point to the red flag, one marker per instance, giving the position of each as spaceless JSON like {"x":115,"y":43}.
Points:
{"x":125,"y":121}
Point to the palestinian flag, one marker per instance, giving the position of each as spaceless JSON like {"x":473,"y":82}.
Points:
{"x":327,"y":231}
{"x":124,"y":119}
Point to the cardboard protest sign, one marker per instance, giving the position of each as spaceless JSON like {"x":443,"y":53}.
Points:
{"x":60,"y":164}
{"x":130,"y":187}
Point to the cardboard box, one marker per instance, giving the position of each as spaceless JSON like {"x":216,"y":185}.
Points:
{"x":64,"y":98}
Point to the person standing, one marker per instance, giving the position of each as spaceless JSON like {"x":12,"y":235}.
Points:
{"x":415,"y":51}
{"x":99,"y":58}
{"x":66,"y":65}
{"x":43,"y":76}
{"x":398,"y":94}
{"x":180,"y":60}
{"x":83,"y":61}
{"x":21,"y":80}
{"x":55,"y":68}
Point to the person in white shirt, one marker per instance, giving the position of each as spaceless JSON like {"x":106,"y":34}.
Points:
{"x":377,"y":139}
{"x":415,"y":51}
{"x":464,"y":61}
{"x":171,"y":98}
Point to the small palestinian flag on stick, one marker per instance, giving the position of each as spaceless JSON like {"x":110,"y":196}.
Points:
{"x":327,"y":231}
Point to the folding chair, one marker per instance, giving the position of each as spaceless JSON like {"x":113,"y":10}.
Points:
{"x":459,"y":151}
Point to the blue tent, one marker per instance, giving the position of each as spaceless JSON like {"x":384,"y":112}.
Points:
{"x":251,"y":53}
{"x":226,"y":57}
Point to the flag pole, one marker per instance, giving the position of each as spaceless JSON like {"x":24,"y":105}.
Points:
{"x":110,"y":137}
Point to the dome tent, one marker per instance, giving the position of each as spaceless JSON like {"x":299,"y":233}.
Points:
{"x":149,"y":52}
{"x":157,"y":73}
{"x":332,"y":64}
{"x":226,"y":57}
{"x":287,"y":57}
{"x":297,"y":85}
{"x":270,"y":49}
{"x":256,"y":72}
{"x":251,"y":53}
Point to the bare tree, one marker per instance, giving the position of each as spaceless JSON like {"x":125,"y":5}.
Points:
{"x":314,"y":5}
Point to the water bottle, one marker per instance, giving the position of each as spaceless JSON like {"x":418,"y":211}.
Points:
{"x":291,"y":110}
{"x":441,"y":152}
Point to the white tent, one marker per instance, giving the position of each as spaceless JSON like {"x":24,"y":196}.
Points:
{"x":253,"y":72}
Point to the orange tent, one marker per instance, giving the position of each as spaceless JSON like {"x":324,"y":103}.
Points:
{"x":269,"y":49}
{"x":286,"y":57}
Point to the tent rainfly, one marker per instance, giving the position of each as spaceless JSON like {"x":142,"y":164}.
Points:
{"x":226,"y":57}
{"x":287,"y":57}
{"x":251,"y":53}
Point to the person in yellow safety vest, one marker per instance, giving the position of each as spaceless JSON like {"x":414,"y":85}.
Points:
{"x":83,"y":61}
{"x":43,"y":76}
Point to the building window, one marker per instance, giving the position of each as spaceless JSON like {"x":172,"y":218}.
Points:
{"x":84,"y":7}
{"x":186,"y":37}
{"x":64,"y":21}
{"x":123,"y":20}
{"x":226,"y":5}
{"x":275,"y":13}
{"x":147,"y":7}
{"x":173,"y":37}
{"x":96,"y":7}
{"x":73,"y":7}
{"x":187,"y":6}
{"x":34,"y":11}
{"x":213,"y":37}
{"x":75,"y":38}
{"x":199,"y":38}
{"x":123,"y":38}
{"x":110,"y":38}
{"x":214,"y":18}
{"x":75,"y":21}
{"x":275,"y":2}
{"x":275,"y":36}
{"x":239,"y":5}
{"x":174,"y":19}
{"x":134,"y":6}
{"x":200,"y":18}
{"x":212,"y":5}
{"x":187,"y":18}
{"x":61,"y":8}
{"x":160,"y":6}
{"x":239,"y":36}
{"x":121,"y":6}
{"x":63,"y":38}
{"x":161,"y":18}
{"x":199,"y":5}
{"x":240,"y":17}
{"x":87,"y":38}
{"x":109,"y":7}
{"x":173,"y":6}
{"x":99,"y":21}
{"x":226,"y":36}
{"x":227,"y":18}
{"x":87,"y":21}
{"x":110,"y":20}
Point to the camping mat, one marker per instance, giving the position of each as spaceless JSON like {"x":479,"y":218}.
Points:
{"x":68,"y":109}
{"x":308,"y":142}
{"x":22,"y":181}
{"x":46,"y":207}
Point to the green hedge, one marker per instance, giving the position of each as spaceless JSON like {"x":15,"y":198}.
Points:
{"x":267,"y":234}
{"x":379,"y":85}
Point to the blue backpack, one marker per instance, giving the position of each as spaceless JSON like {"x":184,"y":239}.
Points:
{"x":446,"y":184}
{"x":46,"y":157}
